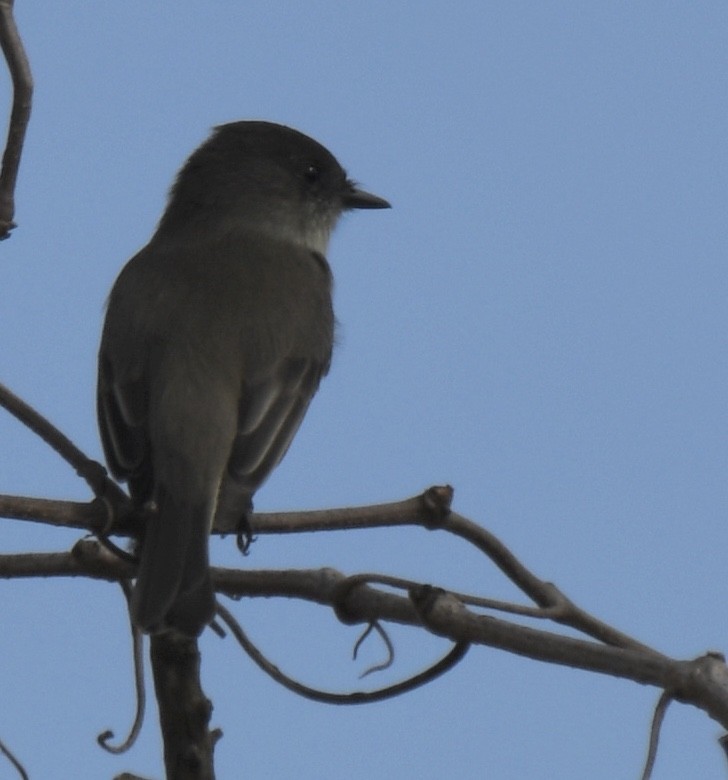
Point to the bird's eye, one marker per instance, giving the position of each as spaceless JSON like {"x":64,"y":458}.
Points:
{"x":312,"y":173}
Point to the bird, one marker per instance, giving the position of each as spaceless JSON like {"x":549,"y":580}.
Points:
{"x":216,"y":336}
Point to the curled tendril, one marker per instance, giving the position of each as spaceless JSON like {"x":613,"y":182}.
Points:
{"x":141,"y":697}
{"x":376,"y":626}
{"x":455,"y":655}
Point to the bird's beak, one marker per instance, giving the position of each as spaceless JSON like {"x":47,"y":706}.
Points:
{"x":354,"y":198}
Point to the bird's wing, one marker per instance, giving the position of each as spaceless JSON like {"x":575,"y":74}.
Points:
{"x":122,"y":414}
{"x":270,"y":412}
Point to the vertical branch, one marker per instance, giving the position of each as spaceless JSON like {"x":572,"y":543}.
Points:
{"x":19,"y":68}
{"x":184,"y":710}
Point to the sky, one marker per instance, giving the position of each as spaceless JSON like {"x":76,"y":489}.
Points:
{"x":540,"y":321}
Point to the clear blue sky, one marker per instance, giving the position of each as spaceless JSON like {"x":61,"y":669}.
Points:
{"x":540,"y":320}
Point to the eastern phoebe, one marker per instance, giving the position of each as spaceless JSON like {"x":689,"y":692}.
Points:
{"x":217,"y":334}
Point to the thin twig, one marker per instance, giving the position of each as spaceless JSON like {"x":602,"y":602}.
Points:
{"x":431,"y":510}
{"x":90,"y":470}
{"x":139,"y":689}
{"x":659,"y":716}
{"x":453,"y":657}
{"x":20,"y":74}
{"x":561,"y":609}
{"x":375,"y":625}
{"x":14,"y":761}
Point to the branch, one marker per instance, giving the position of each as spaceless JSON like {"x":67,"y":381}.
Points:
{"x":453,"y":657}
{"x":14,"y":761}
{"x":90,"y":470}
{"x":702,"y":682}
{"x":184,"y":710}
{"x":19,"y":68}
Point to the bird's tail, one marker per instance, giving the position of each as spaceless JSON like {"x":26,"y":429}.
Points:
{"x":173,"y":587}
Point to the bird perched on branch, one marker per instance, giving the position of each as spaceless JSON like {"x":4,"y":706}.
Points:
{"x":216,"y":337}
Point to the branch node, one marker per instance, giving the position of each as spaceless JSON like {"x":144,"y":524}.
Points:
{"x":87,"y":551}
{"x":94,"y":474}
{"x":424,"y":598}
{"x":436,"y":504}
{"x":342,"y":609}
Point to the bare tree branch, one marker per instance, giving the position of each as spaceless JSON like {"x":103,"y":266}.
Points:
{"x":702,"y":682}
{"x":90,"y":470}
{"x":453,"y":657}
{"x":657,"y":719}
{"x":139,"y":689}
{"x":19,"y":68}
{"x":14,"y":761}
{"x":184,"y":710}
